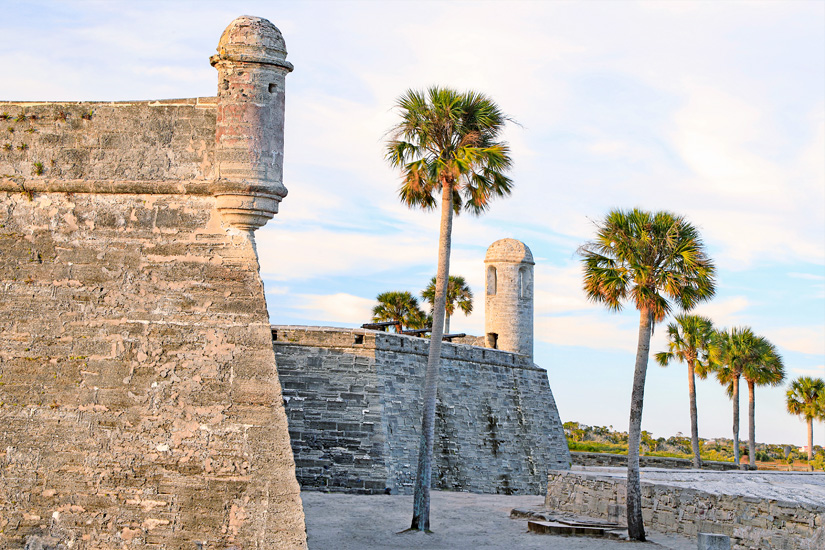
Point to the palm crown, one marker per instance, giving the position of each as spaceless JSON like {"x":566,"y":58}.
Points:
{"x":650,"y":259}
{"x":806,"y":398}
{"x":458,"y":294}
{"x":400,"y":308}
{"x":691,"y":340}
{"x":448,"y":138}
{"x":738,"y":347}
{"x":765,"y":367}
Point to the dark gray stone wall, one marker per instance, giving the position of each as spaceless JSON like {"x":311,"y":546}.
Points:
{"x":353,"y":400}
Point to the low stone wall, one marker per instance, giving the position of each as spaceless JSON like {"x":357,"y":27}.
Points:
{"x":353,"y":400}
{"x":618,"y":461}
{"x":763,"y":511}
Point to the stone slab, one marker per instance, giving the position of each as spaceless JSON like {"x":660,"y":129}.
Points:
{"x":710,"y":541}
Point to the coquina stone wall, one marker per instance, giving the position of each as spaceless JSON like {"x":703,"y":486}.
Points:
{"x":728,"y":506}
{"x":171,"y":141}
{"x":139,"y":399}
{"x":354,"y":407}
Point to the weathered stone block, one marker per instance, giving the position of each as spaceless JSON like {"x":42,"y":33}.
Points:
{"x":708,"y":541}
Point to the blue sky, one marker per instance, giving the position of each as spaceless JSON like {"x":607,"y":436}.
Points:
{"x":712,"y":110}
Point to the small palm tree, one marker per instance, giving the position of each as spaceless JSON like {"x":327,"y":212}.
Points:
{"x":736,"y":349}
{"x":446,"y":143}
{"x":764,"y":369}
{"x":806,"y":398}
{"x":691,"y":340}
{"x":400,"y":308}
{"x":654,"y":260}
{"x":458,"y":294}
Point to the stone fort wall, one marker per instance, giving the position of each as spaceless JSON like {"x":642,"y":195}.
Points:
{"x":139,"y":397}
{"x":353,"y":400}
{"x":765,"y":510}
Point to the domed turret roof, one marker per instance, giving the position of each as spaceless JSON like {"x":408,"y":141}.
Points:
{"x":509,"y":250}
{"x":253,"y":40}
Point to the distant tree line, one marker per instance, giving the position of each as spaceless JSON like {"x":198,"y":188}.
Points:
{"x":604,"y":439}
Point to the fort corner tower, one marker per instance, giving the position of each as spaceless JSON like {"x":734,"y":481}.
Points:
{"x":249,"y":130}
{"x":508,"y":297}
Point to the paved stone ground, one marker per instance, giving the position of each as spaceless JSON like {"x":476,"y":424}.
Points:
{"x":460,"y":521}
{"x":799,"y":487}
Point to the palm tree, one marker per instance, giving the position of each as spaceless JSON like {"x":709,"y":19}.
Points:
{"x":655,"y":260}
{"x":691,"y":340}
{"x":420,"y":320}
{"x":458,"y":294}
{"x":447,"y":142}
{"x":737,"y":348}
{"x":764,"y":369}
{"x":806,"y":397}
{"x":400,"y":308}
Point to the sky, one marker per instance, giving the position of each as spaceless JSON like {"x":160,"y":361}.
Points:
{"x":711,"y":110}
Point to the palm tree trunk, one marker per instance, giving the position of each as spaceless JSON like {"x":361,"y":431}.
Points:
{"x":810,"y":439}
{"x":421,"y":498}
{"x":446,"y":324}
{"x":735,"y":398}
{"x":635,"y":522}
{"x":751,"y":424}
{"x":694,"y":416}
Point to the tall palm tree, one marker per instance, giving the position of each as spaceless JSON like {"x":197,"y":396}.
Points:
{"x":806,"y":398}
{"x":447,"y":142}
{"x":400,"y":308}
{"x":691,"y":340}
{"x":458,"y":294}
{"x":764,"y":369}
{"x":737,"y":347}
{"x":654,"y":260}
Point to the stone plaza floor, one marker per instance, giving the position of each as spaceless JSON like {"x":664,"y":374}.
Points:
{"x":797,"y":487}
{"x":460,"y":521}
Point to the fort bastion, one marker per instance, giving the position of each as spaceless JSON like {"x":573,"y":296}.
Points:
{"x":140,"y":399}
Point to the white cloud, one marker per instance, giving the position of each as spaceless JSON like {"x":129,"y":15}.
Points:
{"x":808,"y":276}
{"x":724,"y":313}
{"x":336,"y":308}
{"x":294,"y":255}
{"x":803,"y":339}
{"x":587,"y":331}
{"x":816,"y":372}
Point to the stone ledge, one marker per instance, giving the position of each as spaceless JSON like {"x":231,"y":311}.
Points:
{"x":345,"y":338}
{"x":20,"y":184}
